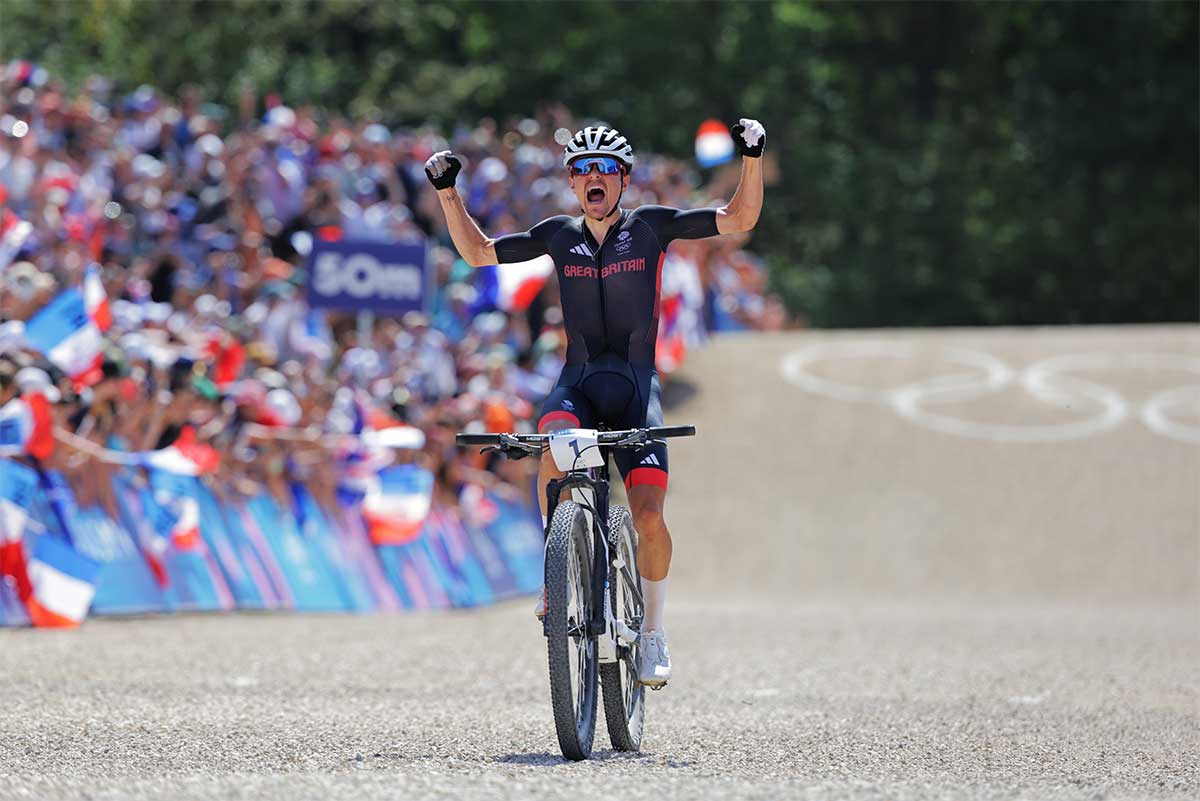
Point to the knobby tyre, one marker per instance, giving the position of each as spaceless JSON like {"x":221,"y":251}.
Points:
{"x":572,"y":653}
{"x":624,"y":695}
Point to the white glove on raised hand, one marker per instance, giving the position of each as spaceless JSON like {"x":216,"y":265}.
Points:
{"x":442,"y":169}
{"x":750,"y":137}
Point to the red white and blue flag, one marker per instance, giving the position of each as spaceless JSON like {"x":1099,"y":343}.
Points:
{"x":17,"y":487}
{"x":12,"y":547}
{"x":13,"y":233}
{"x":63,"y":583}
{"x":184,"y":457}
{"x":69,"y":337}
{"x":396,"y":506}
{"x":185,"y":533}
{"x":714,"y":145}
{"x":512,"y":287}
{"x":26,"y":427}
{"x":95,"y":298}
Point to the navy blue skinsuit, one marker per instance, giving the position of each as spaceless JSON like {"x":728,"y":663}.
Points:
{"x":610,"y":301}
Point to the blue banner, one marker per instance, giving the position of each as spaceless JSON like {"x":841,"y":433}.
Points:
{"x":178,"y":543}
{"x":367,"y":276}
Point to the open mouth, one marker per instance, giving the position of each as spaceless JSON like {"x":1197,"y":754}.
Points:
{"x":595,"y":194}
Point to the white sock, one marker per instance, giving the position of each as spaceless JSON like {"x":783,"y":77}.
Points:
{"x":654,"y":594}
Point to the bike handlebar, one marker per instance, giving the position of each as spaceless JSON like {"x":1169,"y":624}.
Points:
{"x":605,"y":437}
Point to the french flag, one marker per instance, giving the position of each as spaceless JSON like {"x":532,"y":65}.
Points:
{"x":396,"y":506}
{"x":69,"y":337}
{"x":229,"y":357}
{"x":671,"y":347}
{"x":26,"y":427}
{"x":184,"y":457}
{"x":185,"y":534}
{"x":512,"y":287}
{"x":12,"y":547}
{"x":18,"y":487}
{"x":154,"y":551}
{"x":13,"y":233}
{"x":63,"y":583}
{"x":95,"y":299}
{"x":714,"y":145}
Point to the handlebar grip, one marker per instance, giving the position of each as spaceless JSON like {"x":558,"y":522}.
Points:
{"x":477,"y":439}
{"x":672,"y":431}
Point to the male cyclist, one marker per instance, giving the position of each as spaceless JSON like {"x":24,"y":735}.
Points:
{"x":609,"y":262}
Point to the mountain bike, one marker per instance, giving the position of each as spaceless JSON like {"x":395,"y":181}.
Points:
{"x":594,"y":605}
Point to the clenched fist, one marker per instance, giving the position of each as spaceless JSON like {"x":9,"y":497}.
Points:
{"x":750,"y":137}
{"x":442,"y":169}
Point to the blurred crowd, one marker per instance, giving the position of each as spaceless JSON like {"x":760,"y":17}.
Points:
{"x":200,"y":217}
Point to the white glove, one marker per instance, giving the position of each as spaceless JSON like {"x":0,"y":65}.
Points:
{"x":749,"y":136}
{"x":442,"y":169}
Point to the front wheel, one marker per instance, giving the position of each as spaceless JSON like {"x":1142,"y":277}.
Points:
{"x":624,"y":695}
{"x":572,"y":652}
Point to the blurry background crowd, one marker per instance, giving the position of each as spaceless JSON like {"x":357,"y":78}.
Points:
{"x":198,"y":219}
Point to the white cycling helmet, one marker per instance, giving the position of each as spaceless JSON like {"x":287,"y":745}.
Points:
{"x":599,"y":140}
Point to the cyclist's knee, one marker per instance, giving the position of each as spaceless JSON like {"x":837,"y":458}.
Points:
{"x":646,"y":506}
{"x":648,"y":522}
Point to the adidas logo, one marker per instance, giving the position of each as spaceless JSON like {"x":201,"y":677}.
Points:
{"x":652,"y":459}
{"x":582,"y":250}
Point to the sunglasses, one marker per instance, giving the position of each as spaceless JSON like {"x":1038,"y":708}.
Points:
{"x":605,"y":164}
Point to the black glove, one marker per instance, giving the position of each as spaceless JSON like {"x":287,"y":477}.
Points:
{"x":442,"y":169}
{"x":738,"y":132}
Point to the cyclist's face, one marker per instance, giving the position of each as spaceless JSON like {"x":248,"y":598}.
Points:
{"x":596,"y":191}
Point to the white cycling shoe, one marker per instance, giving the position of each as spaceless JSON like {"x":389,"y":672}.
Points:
{"x":654,"y":659}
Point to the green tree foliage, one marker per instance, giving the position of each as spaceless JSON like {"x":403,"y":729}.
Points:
{"x":940,"y":163}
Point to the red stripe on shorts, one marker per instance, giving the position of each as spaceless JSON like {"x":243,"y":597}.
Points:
{"x":653,"y":476}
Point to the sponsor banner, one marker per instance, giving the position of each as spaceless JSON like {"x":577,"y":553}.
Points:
{"x":353,"y":585}
{"x":367,"y":276}
{"x":516,"y":531}
{"x":125,"y":584}
{"x":470,"y":580}
{"x":310,"y":577}
{"x":260,"y":563}
{"x":180,"y":543}
{"x":244,"y":567}
{"x":350,"y":530}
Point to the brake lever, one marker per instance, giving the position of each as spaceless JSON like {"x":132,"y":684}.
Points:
{"x":508,"y":450}
{"x":638,"y":438}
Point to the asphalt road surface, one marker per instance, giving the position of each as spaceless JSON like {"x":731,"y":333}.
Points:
{"x":951,"y":564}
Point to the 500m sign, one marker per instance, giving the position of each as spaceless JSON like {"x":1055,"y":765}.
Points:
{"x":367,"y":276}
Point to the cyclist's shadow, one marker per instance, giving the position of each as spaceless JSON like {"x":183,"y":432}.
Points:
{"x":548,"y":759}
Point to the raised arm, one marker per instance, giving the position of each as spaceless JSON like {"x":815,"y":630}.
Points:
{"x":741,"y":213}
{"x":473,"y":245}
